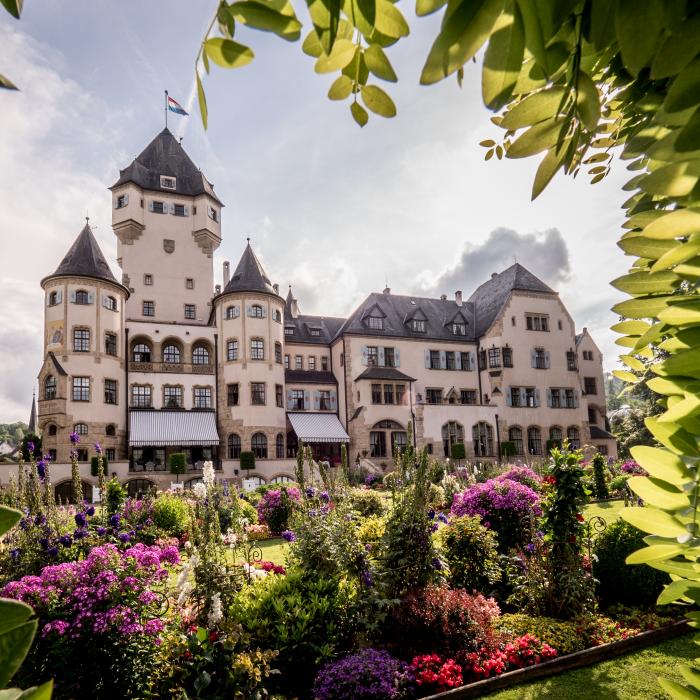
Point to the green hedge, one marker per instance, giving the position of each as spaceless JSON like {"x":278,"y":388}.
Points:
{"x":93,"y":465}
{"x":247,"y":460}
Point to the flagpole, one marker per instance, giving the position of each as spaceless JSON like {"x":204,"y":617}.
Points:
{"x":166,"y":109}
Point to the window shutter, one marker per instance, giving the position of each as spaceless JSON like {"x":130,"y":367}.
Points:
{"x":126,"y":199}
{"x":91,"y":298}
{"x":317,"y":401}
{"x":116,"y":202}
{"x":427,"y":359}
{"x":334,"y":400}
{"x":458,"y":360}
{"x":549,"y":397}
{"x":150,"y":206}
{"x":397,"y":357}
{"x":533,"y":358}
{"x":249,"y":310}
{"x":537,"y":397}
{"x":509,"y":397}
{"x":186,"y":210}
{"x":264,"y":312}
{"x":575,"y":398}
{"x":364,"y":355}
{"x":546,"y":359}
{"x":59,"y":296}
{"x":380,"y":359}
{"x":307,"y":400}
{"x":289,"y":399}
{"x":104,"y":300}
{"x":443,"y":360}
{"x":72,"y":296}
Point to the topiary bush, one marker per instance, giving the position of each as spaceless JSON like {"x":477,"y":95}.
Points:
{"x":600,"y":485}
{"x":618,"y":582}
{"x":178,"y":463}
{"x":563,"y":636}
{"x":471,"y":553}
{"x":116,"y":495}
{"x":458,"y":451}
{"x":247,"y":460}
{"x":366,"y":502}
{"x":94,"y":465}
{"x":171,"y":514}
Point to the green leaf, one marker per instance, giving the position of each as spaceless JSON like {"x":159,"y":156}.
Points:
{"x":325,"y":16}
{"x":9,"y":517}
{"x":626,"y":376}
{"x":684,"y":91}
{"x":228,"y":53}
{"x":389,"y":21}
{"x":683,"y":314}
{"x":341,"y":88}
{"x":685,"y":363}
{"x":378,"y":63}
{"x":14,"y":7}
{"x":631,"y":327}
{"x":678,"y":50}
{"x":642,"y":307}
{"x":343,"y":52}
{"x":536,"y":139}
{"x":680,"y":410}
{"x":259,"y":16}
{"x":685,"y":251}
{"x":312,"y":45}
{"x":638,"y":26}
{"x":667,"y":387}
{"x":378,"y":101}
{"x":676,"y":690}
{"x":6,"y":83}
{"x":503,"y":59}
{"x":43,"y":692}
{"x":681,"y":222}
{"x":466,"y":26}
{"x":654,"y":553}
{"x":202,"y":99}
{"x":674,"y":437}
{"x":602,"y":23}
{"x":658,"y":493}
{"x":552,"y":161}
{"x":535,"y":108}
{"x":534,"y":38}
{"x":12,"y":614}
{"x":654,"y":521}
{"x":688,"y":139}
{"x":14,"y":646}
{"x":646,"y":283}
{"x":633,"y":363}
{"x":673,"y":180}
{"x":645,"y":247}
{"x":359,"y":113}
{"x":692,"y":676}
{"x":427,"y":7}
{"x":588,"y":102}
{"x":227,"y":24}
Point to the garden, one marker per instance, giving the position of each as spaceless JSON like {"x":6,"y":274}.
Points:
{"x":428,"y":579}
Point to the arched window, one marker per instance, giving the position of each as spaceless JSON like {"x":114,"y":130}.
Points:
{"x":256,"y":311}
{"x":482,"y":435}
{"x":534,"y":440}
{"x":279,"y":446}
{"x":384,"y":436}
{"x":110,"y":430}
{"x":200,"y":355}
{"x":50,"y":387}
{"x":281,"y":479}
{"x":230,"y":312}
{"x":136,"y":488}
{"x":110,"y":303}
{"x":515,"y":435}
{"x":53,"y":299}
{"x":234,"y":446}
{"x":258,"y":444}
{"x":255,"y":480}
{"x":82,"y":297}
{"x":141,"y":353}
{"x":171,"y":354}
{"x":574,"y":437}
{"x":452,"y":432}
{"x":276,"y":315}
{"x":64,"y":492}
{"x":52,"y":429}
{"x":80,"y":428}
{"x":556,"y":436}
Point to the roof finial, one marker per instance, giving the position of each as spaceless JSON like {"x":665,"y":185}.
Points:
{"x":87,"y":217}
{"x":248,"y":239}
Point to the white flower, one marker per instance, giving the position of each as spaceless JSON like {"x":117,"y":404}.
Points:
{"x":184,"y":593}
{"x":230,"y":538}
{"x":200,"y":490}
{"x":216,"y":614}
{"x":208,"y":474}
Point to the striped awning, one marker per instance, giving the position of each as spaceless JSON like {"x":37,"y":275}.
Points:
{"x":318,"y":427}
{"x":179,"y":428}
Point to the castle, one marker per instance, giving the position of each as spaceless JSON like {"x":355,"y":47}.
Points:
{"x":162,"y":361}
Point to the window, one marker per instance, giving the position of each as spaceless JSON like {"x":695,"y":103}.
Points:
{"x":279,"y":398}
{"x":569,"y":398}
{"x":189,"y":283}
{"x":376,"y":393}
{"x":467,"y":397}
{"x":459,"y":329}
{"x":589,"y":385}
{"x":202,"y":397}
{"x":171,"y":354}
{"x":149,"y":308}
{"x":148,"y":280}
{"x":602,"y":449}
{"x":515,"y":396}
{"x":555,"y":400}
{"x":400,"y":394}
{"x":110,"y":430}
{"x":52,"y":429}
{"x":389,"y":393}
{"x":110,"y":343}
{"x":482,"y":359}
{"x":289,"y":330}
{"x":110,"y":303}
{"x":81,"y":388}
{"x":50,"y":387}
{"x":122,"y":201}
{"x":256,"y":311}
{"x":167,"y":183}
{"x":531,"y":397}
{"x":312,"y":363}
{"x":324,"y":364}
{"x":434,"y":359}
{"x":158,"y":207}
{"x":231,"y":350}
{"x":213,"y":214}
{"x":53,"y":298}
{"x":180,"y":210}
{"x":377,"y":443}
{"x":389,"y":357}
{"x":534,"y":441}
{"x":200,"y":355}
{"x":234,"y":446}
{"x":232,"y":394}
{"x":298,"y":362}
{"x":80,"y":428}
{"x":515,"y":436}
{"x":257,"y":393}
{"x":231,"y":312}
{"x":258,"y":444}
{"x":574,"y":438}
{"x":82,"y":297}
{"x":588,"y":354}
{"x":433,"y":395}
{"x":555,"y":435}
{"x":278,"y":353}
{"x":296,"y":400}
{"x":286,"y":361}
{"x":190,"y":311}
{"x":450,"y":360}
{"x":536,"y":322}
{"x":591,"y":416}
{"x":571,"y":363}
{"x":316,"y":332}
{"x":372,"y":356}
{"x":482,"y":436}
{"x":82,"y":454}
{"x":140,"y":396}
{"x":111,"y":454}
{"x":52,"y":455}
{"x":465,"y":360}
{"x":324,"y":400}
{"x":376,"y":323}
{"x":560,"y":325}
{"x":257,"y":349}
{"x":494,"y":355}
{"x":172,"y":397}
{"x":452,"y":432}
{"x":507,"y":356}
{"x":277,"y":316}
{"x":539,"y":358}
{"x":418,"y":325}
{"x":279,"y":446}
{"x":81,"y":340}
{"x":111,"y":391}
{"x":399,"y":440}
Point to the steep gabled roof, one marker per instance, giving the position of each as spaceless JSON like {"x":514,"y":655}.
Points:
{"x":249,"y":275}
{"x":303,"y":324}
{"x":492,"y":295}
{"x":84,"y":259}
{"x":166,"y":156}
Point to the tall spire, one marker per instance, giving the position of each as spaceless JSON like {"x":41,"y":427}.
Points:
{"x":249,"y":275}
{"x":32,"y":416}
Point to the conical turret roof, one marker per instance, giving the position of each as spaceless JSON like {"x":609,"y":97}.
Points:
{"x":249,"y":275}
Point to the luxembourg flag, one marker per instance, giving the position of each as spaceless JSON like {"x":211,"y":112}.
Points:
{"x":174,"y":106}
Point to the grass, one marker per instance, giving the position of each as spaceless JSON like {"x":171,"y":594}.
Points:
{"x":608,"y":510}
{"x":274,"y":550}
{"x":630,"y":677}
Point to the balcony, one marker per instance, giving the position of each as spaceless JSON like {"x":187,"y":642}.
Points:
{"x":171,"y":367}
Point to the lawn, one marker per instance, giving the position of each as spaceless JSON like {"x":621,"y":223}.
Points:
{"x":608,"y":510}
{"x":630,"y":677}
{"x":274,"y":550}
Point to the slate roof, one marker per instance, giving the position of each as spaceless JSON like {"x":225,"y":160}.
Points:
{"x":304,"y":376}
{"x":492,"y":295}
{"x":57,"y":364}
{"x":398,"y":310}
{"x":303,"y":324}
{"x":389,"y":373}
{"x":84,"y":259}
{"x":597,"y":433}
{"x":249,"y":275}
{"x":166,"y":156}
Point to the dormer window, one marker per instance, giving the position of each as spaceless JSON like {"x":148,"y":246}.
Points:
{"x":316,"y":332}
{"x":213,"y":214}
{"x":376,"y":323}
{"x":122,"y":201}
{"x":289,"y":330}
{"x":168,"y":183}
{"x":459,"y":329}
{"x":418,"y":325}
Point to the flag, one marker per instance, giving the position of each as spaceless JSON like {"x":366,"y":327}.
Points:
{"x":176,"y":107}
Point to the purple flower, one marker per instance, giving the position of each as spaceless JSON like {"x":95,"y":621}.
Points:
{"x":80,"y":519}
{"x":324,"y":496}
{"x":41,"y":469}
{"x":80,"y":534}
{"x":310,"y":492}
{"x":367,"y":579}
{"x":98,"y":448}
{"x":114,"y":520}
{"x":289,"y":536}
{"x":66,"y":540}
{"x":431,"y":514}
{"x":30,"y":447}
{"x":53,"y":551}
{"x":124,"y":536}
{"x":101,"y":531}
{"x":74,"y":438}
{"x":443,"y":518}
{"x":436,"y":564}
{"x":40,"y":519}
{"x":90,"y":511}
{"x":530,"y":547}
{"x":434,"y":527}
{"x":15,"y":554}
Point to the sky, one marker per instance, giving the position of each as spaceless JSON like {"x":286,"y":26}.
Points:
{"x":335,"y":210}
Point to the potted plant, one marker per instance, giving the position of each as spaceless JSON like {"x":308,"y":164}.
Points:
{"x":178,"y":464}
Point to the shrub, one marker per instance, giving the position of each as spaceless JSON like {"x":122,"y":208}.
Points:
{"x":507,"y":449}
{"x":247,"y":460}
{"x":599,"y":629}
{"x":435,"y":675}
{"x":366,"y":502}
{"x":436,"y":496}
{"x":523,"y":475}
{"x":502,"y":505}
{"x":178,"y":463}
{"x":276,"y":506}
{"x":600,"y":486}
{"x":116,"y":495}
{"x":94,"y":465}
{"x":436,"y":471}
{"x":471,"y":553}
{"x":457,"y":451}
{"x":248,"y":511}
{"x":258,"y":532}
{"x":563,"y":636}
{"x":440,"y":618}
{"x":518,"y":653}
{"x":367,"y":675}
{"x":618,"y":582}
{"x":371,"y":529}
{"x":172,"y":514}
{"x":618,"y":484}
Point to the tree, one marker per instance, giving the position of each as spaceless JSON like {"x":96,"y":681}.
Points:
{"x":178,"y":464}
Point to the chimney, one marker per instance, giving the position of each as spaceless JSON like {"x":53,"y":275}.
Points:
{"x":443,"y":297}
{"x":276,"y":287}
{"x":227,"y":272}
{"x":218,"y":289}
{"x":387,"y":290}
{"x":458,"y":297}
{"x":294,"y":308}
{"x":494,"y":274}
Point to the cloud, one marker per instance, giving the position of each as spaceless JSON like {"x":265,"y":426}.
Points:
{"x":545,"y":254}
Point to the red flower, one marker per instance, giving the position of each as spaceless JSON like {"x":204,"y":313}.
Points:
{"x":579,"y":517}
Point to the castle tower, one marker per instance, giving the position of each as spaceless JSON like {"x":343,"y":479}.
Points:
{"x":81,"y":382}
{"x":167,"y":220}
{"x":249,"y":316}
